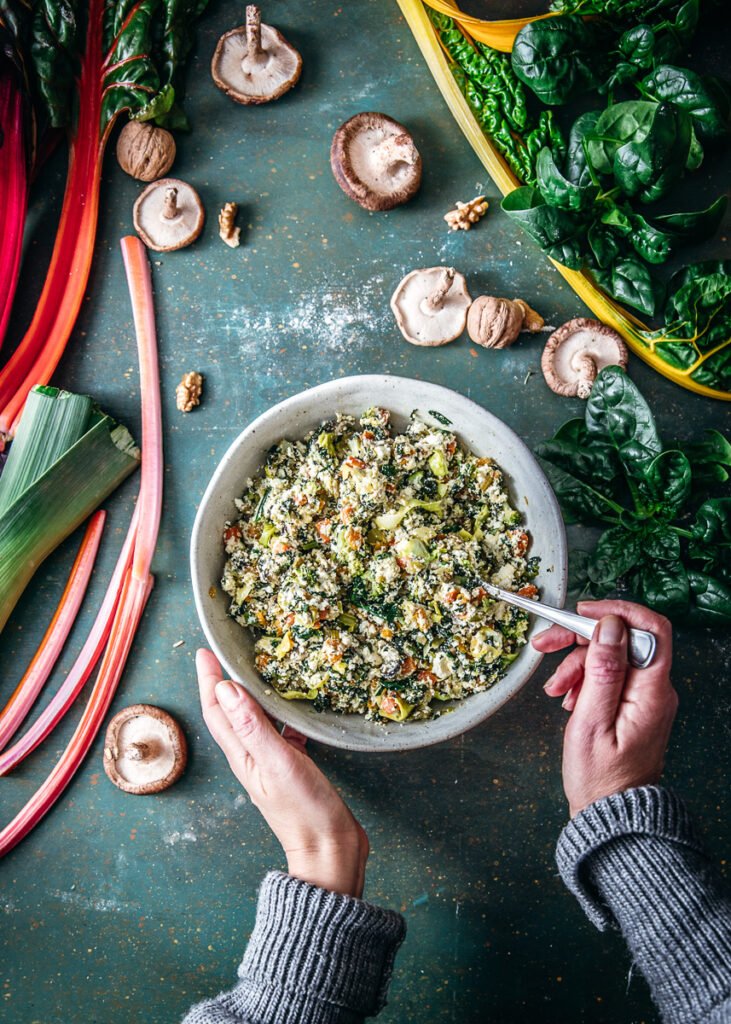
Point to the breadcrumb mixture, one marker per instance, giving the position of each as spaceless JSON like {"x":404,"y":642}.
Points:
{"x":357,"y":562}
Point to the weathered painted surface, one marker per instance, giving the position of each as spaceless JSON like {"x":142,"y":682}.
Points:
{"x":123,"y":908}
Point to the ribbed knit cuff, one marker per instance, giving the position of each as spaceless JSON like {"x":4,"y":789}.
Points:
{"x":647,"y":811}
{"x":633,"y":859}
{"x":315,"y":956}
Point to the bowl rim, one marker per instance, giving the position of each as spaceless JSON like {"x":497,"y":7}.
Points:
{"x":340,"y":737}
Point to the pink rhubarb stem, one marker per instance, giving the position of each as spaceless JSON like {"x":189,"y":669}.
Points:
{"x":82,"y":668}
{"x":137,"y":581}
{"x":15,"y":711}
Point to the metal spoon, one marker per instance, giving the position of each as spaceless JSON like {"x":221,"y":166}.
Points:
{"x":641,"y":643}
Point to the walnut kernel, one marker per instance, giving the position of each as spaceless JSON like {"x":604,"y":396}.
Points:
{"x":188,"y":391}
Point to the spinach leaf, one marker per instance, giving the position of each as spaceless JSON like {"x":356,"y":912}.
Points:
{"x":629,"y":280}
{"x":577,"y":167}
{"x":650,"y":163}
{"x":557,"y":190}
{"x":580,"y":502}
{"x":697,"y":225}
{"x":713,"y":521}
{"x":616,"y":553}
{"x":660,"y":542}
{"x":650,"y":242}
{"x":603,"y":244}
{"x":558,"y":232}
{"x":616,"y":413}
{"x":664,"y":586}
{"x":619,"y":123}
{"x":559,"y":57}
{"x":709,"y":457}
{"x":710,"y":599}
{"x":612,"y":468}
{"x":666,"y":483}
{"x":705,"y":99}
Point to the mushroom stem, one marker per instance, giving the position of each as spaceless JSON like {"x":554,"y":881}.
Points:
{"x":170,"y":203}
{"x":435,"y":301}
{"x":587,"y":374}
{"x":139,"y":751}
{"x":253,"y":32}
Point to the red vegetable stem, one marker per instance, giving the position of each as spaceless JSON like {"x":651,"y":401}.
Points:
{"x":13,"y":189}
{"x":15,"y":711}
{"x":137,"y":581}
{"x":132,"y":603}
{"x":82,"y":667}
{"x":40,"y":350}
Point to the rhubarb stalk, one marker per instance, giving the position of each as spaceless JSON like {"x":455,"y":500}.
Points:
{"x":137,"y":581}
{"x":82,"y":668}
{"x":14,"y":713}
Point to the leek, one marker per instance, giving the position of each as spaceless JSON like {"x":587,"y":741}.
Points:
{"x":67,"y":458}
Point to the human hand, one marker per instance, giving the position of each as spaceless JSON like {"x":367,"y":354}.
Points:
{"x":322,"y":841}
{"x":621,"y":716}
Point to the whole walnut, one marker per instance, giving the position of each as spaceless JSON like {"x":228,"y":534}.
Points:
{"x":145,"y":151}
{"x":494,"y":323}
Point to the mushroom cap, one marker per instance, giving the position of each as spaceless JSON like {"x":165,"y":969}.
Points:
{"x":375,"y":161}
{"x":144,"y":750}
{"x":155,"y":230}
{"x":577,"y":351}
{"x":255,"y":80}
{"x":419,"y":324}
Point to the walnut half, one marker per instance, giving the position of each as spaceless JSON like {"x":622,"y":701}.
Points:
{"x":188,"y":391}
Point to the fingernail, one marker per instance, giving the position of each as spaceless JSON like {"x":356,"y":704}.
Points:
{"x":610,"y":630}
{"x":549,"y":683}
{"x":537,"y":636}
{"x":565,"y":701}
{"x":227,"y":694}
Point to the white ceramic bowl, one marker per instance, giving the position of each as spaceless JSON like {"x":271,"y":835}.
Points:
{"x":483,"y":434}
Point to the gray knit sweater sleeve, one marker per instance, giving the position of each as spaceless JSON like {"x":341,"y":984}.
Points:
{"x":633,"y":860}
{"x":314,"y":957}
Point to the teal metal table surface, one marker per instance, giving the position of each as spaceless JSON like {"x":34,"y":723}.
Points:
{"x":121,"y":908}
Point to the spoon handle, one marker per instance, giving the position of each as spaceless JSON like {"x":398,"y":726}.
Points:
{"x":642,"y":644}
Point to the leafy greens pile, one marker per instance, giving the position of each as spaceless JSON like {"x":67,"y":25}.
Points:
{"x":587,"y":195}
{"x":665,"y":512}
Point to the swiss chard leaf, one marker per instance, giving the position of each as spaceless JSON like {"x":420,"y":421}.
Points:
{"x":699,"y":303}
{"x":54,"y":51}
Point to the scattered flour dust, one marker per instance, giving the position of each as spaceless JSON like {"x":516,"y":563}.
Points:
{"x":186,"y":836}
{"x":98,"y":903}
{"x":332,"y":318}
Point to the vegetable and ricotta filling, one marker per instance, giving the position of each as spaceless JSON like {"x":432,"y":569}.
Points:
{"x":357,"y":561}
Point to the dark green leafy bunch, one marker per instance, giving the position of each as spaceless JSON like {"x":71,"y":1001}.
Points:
{"x":697,"y":331}
{"x":665,"y":511}
{"x":584,"y":212}
{"x":499,"y":100}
